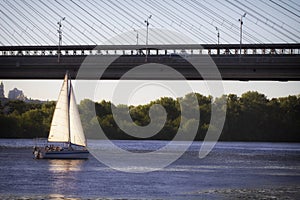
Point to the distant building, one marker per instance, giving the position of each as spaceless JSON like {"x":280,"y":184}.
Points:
{"x":2,"y":90}
{"x":16,"y":94}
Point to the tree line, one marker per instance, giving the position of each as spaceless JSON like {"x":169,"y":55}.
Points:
{"x":250,"y":117}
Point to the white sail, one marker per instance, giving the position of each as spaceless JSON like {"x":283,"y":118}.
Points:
{"x":59,"y":131}
{"x":65,"y":128}
{"x":76,"y":131}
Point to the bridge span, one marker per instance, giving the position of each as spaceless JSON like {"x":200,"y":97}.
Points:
{"x":246,"y":62}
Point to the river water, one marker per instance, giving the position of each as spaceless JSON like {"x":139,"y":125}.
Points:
{"x":232,"y":170}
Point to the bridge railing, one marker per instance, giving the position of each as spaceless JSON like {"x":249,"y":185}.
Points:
{"x":181,"y":49}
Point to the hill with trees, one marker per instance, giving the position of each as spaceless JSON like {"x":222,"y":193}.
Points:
{"x":250,"y":117}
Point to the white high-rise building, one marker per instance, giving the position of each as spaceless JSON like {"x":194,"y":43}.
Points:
{"x":16,"y":94}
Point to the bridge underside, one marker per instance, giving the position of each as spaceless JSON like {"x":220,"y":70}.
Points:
{"x":231,"y":67}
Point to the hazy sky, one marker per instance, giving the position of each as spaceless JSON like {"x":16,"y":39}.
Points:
{"x":145,"y":91}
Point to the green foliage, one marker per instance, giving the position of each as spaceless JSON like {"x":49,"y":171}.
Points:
{"x":10,"y":127}
{"x":26,"y":120}
{"x":251,"y":117}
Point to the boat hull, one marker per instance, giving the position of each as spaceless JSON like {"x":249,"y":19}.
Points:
{"x":73,"y":154}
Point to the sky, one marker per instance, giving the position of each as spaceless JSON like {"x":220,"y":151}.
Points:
{"x":34,"y":22}
{"x":146,"y":91}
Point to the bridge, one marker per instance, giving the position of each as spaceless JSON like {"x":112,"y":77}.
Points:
{"x":235,"y":62}
{"x":245,"y":40}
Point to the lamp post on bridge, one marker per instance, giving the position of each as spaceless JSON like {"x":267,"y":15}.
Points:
{"x":241,"y":31}
{"x":59,"y":38}
{"x":147,"y":24}
{"x":218,"y":35}
{"x":137,"y":36}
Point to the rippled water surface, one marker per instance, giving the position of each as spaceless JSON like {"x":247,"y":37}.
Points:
{"x":230,"y":171}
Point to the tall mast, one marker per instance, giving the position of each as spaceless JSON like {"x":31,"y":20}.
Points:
{"x":69,"y":92}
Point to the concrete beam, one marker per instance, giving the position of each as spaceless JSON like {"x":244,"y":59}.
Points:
{"x":281,"y":67}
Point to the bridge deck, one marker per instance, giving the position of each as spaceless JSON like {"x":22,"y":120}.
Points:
{"x":231,"y":67}
{"x":256,"y":61}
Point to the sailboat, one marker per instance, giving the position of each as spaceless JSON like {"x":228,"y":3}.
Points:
{"x":66,"y":136}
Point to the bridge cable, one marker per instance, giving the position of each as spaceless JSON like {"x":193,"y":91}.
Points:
{"x":210,"y":23}
{"x":167,"y":13}
{"x":115,"y":19}
{"x":119,"y":21}
{"x":278,"y":10}
{"x":101,"y":34}
{"x":22,"y":29}
{"x":27,"y":19}
{"x":284,"y":8}
{"x":154,"y":19}
{"x":42,"y":31}
{"x":258,"y":19}
{"x":210,"y":38}
{"x":110,"y":29}
{"x":9,"y":35}
{"x":80,"y":18}
{"x":67,"y":37}
{"x":185,"y":25}
{"x":214,"y":15}
{"x":256,"y":7}
{"x":267,"y":19}
{"x":69,"y":23}
{"x":290,"y":6}
{"x":163,"y":38}
{"x":44,"y":19}
{"x":14,"y":31}
{"x":295,"y":3}
{"x":249,"y":19}
{"x":234,"y":19}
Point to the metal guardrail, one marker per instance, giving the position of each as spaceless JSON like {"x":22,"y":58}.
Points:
{"x":180,"y":49}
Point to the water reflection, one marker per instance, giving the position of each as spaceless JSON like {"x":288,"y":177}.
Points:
{"x":64,"y":175}
{"x":65,"y":165}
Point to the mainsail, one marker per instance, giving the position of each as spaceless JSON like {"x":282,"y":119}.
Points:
{"x":66,"y":125}
{"x":76,"y":131}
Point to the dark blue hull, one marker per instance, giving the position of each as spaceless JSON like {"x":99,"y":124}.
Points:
{"x":66,"y":154}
